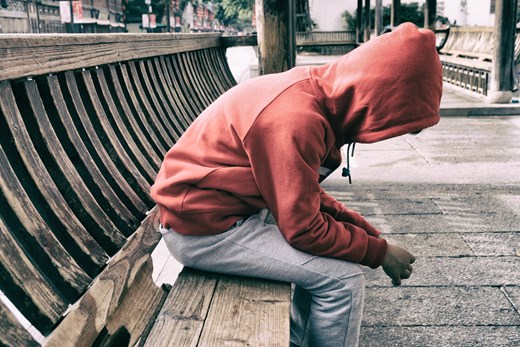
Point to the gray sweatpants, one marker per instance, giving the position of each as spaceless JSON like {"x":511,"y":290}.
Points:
{"x":327,"y":303}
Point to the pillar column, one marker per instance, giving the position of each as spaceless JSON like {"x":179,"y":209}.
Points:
{"x":502,"y":72}
{"x":395,"y":19}
{"x":378,"y":25}
{"x":366,"y":21}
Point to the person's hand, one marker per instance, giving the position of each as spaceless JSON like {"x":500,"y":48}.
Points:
{"x":397,"y":263}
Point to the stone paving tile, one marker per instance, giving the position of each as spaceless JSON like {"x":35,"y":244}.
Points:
{"x":411,"y":306}
{"x":451,"y":336}
{"x":393,"y":206}
{"x":466,"y":271}
{"x":494,"y":244}
{"x":452,"y":223}
{"x":431,"y":245}
{"x":513,"y":294}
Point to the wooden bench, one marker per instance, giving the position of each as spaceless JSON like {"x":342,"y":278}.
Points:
{"x":466,"y":54}
{"x":84,"y":123}
{"x":326,"y":42}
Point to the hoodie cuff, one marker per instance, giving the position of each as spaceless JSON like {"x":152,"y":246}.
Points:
{"x":376,"y":251}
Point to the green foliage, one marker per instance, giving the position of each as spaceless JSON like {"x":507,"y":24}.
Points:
{"x":409,"y":12}
{"x":235,"y":13}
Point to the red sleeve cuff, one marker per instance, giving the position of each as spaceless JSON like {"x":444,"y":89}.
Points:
{"x":376,"y":251}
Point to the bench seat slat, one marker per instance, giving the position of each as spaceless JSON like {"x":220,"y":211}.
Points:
{"x":182,"y":316}
{"x":89,"y":316}
{"x":86,"y":183}
{"x":104,"y":165}
{"x":248,"y":312}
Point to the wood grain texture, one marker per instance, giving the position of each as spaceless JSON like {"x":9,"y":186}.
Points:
{"x":12,"y":333}
{"x":248,"y":312}
{"x":88,"y":317}
{"x":53,"y":53}
{"x":182,"y":316}
{"x":135,"y":313}
{"x":24,"y":284}
{"x":88,"y":154}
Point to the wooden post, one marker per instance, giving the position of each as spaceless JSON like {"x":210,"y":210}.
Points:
{"x":359,"y":21}
{"x":366,"y":21}
{"x":276,"y":35}
{"x":395,"y":19}
{"x":378,"y":25}
{"x":502,"y":72}
{"x":430,"y":13}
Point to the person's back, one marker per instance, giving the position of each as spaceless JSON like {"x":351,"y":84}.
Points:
{"x":239,"y":193}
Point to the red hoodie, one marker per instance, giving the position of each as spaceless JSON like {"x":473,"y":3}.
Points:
{"x":267,"y":142}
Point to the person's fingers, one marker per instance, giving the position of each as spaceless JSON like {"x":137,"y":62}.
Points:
{"x":396,"y":281}
{"x":412,"y":260}
{"x":406,"y":274}
{"x":409,"y":268}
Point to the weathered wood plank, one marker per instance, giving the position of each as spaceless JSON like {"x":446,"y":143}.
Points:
{"x":248,"y":312}
{"x":182,"y":316}
{"x":28,"y":289}
{"x":12,"y":333}
{"x":169,"y":112}
{"x":97,"y":160}
{"x":85,"y":183}
{"x":124,"y":164}
{"x":89,"y":316}
{"x":135,"y":313}
{"x":125,"y":117}
{"x":53,"y":53}
{"x":187,"y":112}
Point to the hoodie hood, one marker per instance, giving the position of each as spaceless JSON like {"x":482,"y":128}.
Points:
{"x":387,"y":87}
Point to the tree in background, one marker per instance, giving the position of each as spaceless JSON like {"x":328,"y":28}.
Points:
{"x":232,"y":13}
{"x":409,"y":12}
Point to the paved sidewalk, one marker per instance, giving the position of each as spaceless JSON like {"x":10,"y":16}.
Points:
{"x":451,"y":195}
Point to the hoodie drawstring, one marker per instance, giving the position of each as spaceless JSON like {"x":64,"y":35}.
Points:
{"x":346,"y":170}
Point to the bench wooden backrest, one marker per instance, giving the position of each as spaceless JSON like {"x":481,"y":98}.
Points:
{"x":84,"y":123}
{"x":471,"y":42}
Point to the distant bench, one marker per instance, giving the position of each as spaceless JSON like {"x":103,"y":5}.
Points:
{"x":85,"y":121}
{"x":466,"y":54}
{"x":326,"y":42}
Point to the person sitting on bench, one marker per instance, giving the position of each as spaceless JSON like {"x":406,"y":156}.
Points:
{"x":240,"y":193}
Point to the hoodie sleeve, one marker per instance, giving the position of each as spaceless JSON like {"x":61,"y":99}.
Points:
{"x":285,"y":157}
{"x":341,"y":213}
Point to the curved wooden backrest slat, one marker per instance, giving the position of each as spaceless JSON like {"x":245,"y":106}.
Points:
{"x":153,"y":109}
{"x":29,"y":289}
{"x":45,"y":191}
{"x":12,"y":332}
{"x":98,"y":145}
{"x":185,"y":110}
{"x":121,"y":118}
{"x":193,"y":79}
{"x":186,"y":87}
{"x":106,"y":135}
{"x":152,"y":92}
{"x":82,"y":178}
{"x":83,"y":132}
{"x":71,"y":138}
{"x":209,"y":71}
{"x":168,"y":108}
